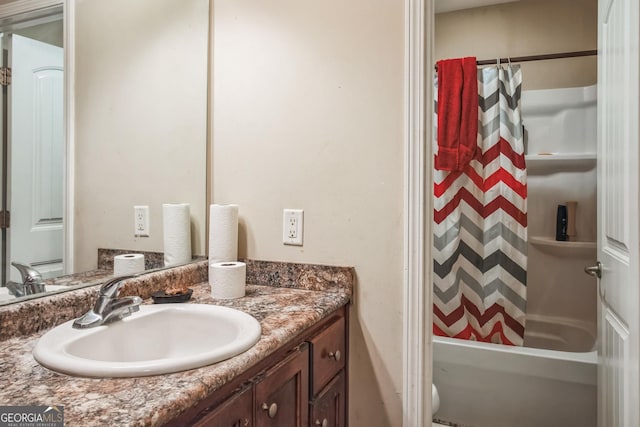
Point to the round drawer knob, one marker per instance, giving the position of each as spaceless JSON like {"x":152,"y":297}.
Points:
{"x":324,"y":423}
{"x":271,"y":410}
{"x":335,"y":355}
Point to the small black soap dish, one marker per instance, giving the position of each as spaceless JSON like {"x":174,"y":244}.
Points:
{"x":161,"y":297}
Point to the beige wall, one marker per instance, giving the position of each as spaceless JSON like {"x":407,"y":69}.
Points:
{"x":140,"y":124}
{"x":526,"y":27}
{"x":308,"y":114}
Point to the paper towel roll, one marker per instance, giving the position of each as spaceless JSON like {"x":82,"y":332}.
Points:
{"x":128,"y":264}
{"x":223,"y":233}
{"x":227,"y":279}
{"x":176,"y":225}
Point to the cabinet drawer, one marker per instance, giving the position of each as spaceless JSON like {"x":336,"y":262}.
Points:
{"x":328,"y":354}
{"x":329,"y":407}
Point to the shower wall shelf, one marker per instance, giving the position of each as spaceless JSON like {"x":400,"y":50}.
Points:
{"x":563,"y":246}
{"x":540,"y":164}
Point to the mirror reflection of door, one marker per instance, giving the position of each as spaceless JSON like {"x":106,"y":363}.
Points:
{"x":34,"y":190}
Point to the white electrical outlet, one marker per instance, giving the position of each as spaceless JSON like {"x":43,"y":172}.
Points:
{"x":141,"y":221}
{"x":292,"y":226}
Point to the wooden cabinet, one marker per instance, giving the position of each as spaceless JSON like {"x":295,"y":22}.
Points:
{"x":303,"y":384}
{"x":282,"y":395}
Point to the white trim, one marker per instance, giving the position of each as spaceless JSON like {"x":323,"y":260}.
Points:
{"x":21,"y":6}
{"x":417,"y":367}
{"x":69,"y":129}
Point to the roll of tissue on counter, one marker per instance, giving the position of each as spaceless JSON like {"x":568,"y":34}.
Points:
{"x":128,"y":264}
{"x":176,"y":227}
{"x":223,"y":233}
{"x":227,"y":279}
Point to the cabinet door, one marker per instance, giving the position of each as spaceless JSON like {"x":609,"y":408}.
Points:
{"x":282,"y":395}
{"x":328,"y":408}
{"x":233,"y":412}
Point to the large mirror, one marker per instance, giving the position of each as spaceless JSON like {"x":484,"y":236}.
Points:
{"x":33,"y":142}
{"x":128,"y":127}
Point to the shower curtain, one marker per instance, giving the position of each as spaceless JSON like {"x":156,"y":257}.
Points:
{"x":480,"y":223}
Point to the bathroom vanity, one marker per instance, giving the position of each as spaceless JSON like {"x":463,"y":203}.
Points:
{"x":301,"y":384}
{"x":296,"y":375}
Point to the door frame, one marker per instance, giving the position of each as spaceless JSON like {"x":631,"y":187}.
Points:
{"x":418,"y":212}
{"x":68,"y":14}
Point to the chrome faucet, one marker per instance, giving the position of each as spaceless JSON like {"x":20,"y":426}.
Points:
{"x":31,"y":281}
{"x":109,"y":307}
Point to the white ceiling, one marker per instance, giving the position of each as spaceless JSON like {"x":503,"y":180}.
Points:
{"x":442,"y":6}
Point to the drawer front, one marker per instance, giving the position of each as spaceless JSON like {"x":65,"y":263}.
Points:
{"x":328,"y":354}
{"x":328,"y":409}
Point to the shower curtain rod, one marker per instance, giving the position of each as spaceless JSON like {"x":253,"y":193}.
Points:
{"x":537,"y":57}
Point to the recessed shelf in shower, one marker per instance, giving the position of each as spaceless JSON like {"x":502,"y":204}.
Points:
{"x":563,"y":247}
{"x":559,"y":162}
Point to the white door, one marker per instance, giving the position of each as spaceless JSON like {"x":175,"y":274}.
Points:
{"x":36,"y":152}
{"x":618,"y":114}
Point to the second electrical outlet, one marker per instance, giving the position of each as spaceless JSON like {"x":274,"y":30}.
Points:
{"x":292,"y":226}
{"x":141,"y":221}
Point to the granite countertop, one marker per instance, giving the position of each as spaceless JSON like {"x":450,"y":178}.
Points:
{"x":283,"y":309}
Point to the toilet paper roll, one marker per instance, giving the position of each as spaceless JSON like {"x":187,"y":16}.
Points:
{"x":176,"y":225}
{"x":223,"y":233}
{"x":227,"y":279}
{"x":128,"y":264}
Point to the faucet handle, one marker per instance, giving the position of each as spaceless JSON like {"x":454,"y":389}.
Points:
{"x":28,"y":273}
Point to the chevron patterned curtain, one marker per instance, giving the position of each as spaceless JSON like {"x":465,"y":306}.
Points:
{"x":480,"y":223}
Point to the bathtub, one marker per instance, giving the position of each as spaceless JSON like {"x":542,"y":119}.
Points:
{"x":492,"y":385}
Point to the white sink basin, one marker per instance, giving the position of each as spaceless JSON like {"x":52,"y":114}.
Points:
{"x":158,"y":339}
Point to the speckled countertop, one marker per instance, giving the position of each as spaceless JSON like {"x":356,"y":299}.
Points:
{"x":286,"y":298}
